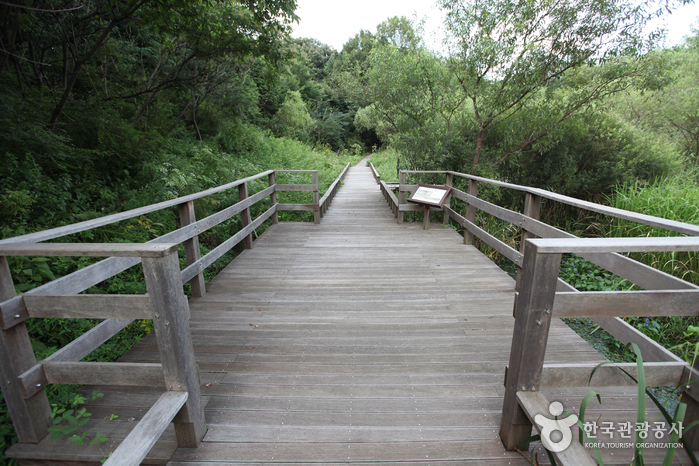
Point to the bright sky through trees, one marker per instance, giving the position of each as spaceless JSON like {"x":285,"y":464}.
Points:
{"x":333,"y":22}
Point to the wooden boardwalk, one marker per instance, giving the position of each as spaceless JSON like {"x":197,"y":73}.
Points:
{"x":354,"y":341}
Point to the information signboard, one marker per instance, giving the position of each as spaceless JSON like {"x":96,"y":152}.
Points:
{"x":429,"y":195}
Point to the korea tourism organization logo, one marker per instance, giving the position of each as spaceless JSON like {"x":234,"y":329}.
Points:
{"x":556,"y":433}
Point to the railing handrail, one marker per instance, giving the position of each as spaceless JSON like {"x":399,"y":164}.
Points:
{"x":164,"y":302}
{"x":650,"y":220}
{"x":542,"y":295}
{"x":118,"y":217}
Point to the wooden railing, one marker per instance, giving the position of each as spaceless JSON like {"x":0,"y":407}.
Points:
{"x":23,"y":379}
{"x":542,"y":295}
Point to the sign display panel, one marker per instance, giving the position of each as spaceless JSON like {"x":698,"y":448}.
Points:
{"x":430,"y":195}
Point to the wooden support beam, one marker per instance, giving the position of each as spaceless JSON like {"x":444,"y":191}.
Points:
{"x":34,"y":378}
{"x":316,"y":199}
{"x":401,"y":196}
{"x":272,"y":178}
{"x":612,"y":375}
{"x":529,"y":339}
{"x":88,"y":306}
{"x":448,"y":182}
{"x":532,"y":209}
{"x":191,"y":248}
{"x":535,"y":404}
{"x":627,"y":303}
{"x":245,"y":215}
{"x":139,"y":442}
{"x":171,"y":323}
{"x":90,"y":373}
{"x":31,"y":417}
{"x":471,"y":210}
{"x":88,"y":249}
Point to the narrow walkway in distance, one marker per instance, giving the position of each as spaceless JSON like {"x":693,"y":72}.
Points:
{"x":356,"y":341}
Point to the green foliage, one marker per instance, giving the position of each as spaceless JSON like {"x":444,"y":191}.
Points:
{"x":673,"y":198}
{"x":69,"y":418}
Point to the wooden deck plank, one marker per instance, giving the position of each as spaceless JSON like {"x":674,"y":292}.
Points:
{"x":357,"y":341}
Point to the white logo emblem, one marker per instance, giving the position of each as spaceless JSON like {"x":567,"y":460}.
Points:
{"x":556,"y":428}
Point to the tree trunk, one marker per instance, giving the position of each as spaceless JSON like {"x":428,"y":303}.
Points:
{"x":479,"y":144}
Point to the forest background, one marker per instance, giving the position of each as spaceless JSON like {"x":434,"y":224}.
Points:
{"x":111,"y":105}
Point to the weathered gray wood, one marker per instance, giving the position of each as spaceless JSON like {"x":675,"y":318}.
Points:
{"x":529,"y":340}
{"x":89,"y":341}
{"x":627,"y":303}
{"x":672,"y":225}
{"x":504,"y":184}
{"x":471,"y":209}
{"x":426,"y":218}
{"x":295,"y":171}
{"x":219,"y":217}
{"x":377,"y":177}
{"x":90,"y":224}
{"x":332,"y":190}
{"x":611,"y":375}
{"x":534,"y":403}
{"x":449,"y":181}
{"x":532,"y":209}
{"x":226,"y":246}
{"x":88,"y":249}
{"x":88,"y":306}
{"x":287,"y":207}
{"x":245,"y":214}
{"x":91,"y":373}
{"x":401,"y":195}
{"x":30,"y":418}
{"x":417,"y":208}
{"x":625,"y":333}
{"x":295,"y":187}
{"x":641,"y":274}
{"x":34,"y":378}
{"x":272,"y":179}
{"x":680,"y":227}
{"x":191,"y":247}
{"x":316,"y":200}
{"x":171,"y":323}
{"x":390,"y":198}
{"x":140,"y":441}
{"x":502,"y":213}
{"x":487,"y":238}
{"x":587,"y":245}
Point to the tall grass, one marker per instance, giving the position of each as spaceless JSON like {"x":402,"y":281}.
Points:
{"x":674,"y":198}
{"x":385,"y":163}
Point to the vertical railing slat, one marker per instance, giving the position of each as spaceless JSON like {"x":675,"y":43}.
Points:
{"x":191,"y":248}
{"x":533,"y":317}
{"x":471,"y":210}
{"x":316,"y":198}
{"x":532,"y":208}
{"x":273,"y":197}
{"x":171,"y":324}
{"x":30,"y":417}
{"x":245,"y":215}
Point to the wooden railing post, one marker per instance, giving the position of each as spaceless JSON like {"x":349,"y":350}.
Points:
{"x":273,"y":197}
{"x":532,"y":208}
{"x":191,"y":248}
{"x":533,"y":317}
{"x":471,"y":210}
{"x":31,"y":417}
{"x":401,"y":196}
{"x":449,"y":182}
{"x":316,"y":198}
{"x":171,"y":324}
{"x":245,"y":214}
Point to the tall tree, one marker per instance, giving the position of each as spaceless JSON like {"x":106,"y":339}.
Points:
{"x":504,"y":52}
